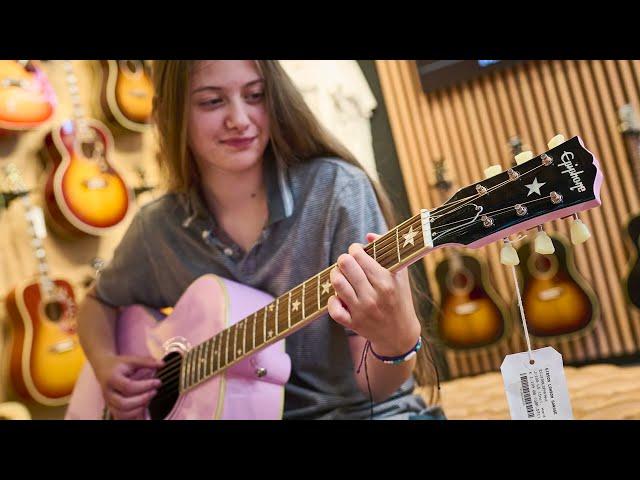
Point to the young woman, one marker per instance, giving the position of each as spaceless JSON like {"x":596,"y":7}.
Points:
{"x":259,"y":193}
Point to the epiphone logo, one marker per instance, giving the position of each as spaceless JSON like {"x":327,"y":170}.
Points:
{"x":567,"y":157}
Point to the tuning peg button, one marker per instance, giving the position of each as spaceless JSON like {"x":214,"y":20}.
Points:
{"x":543,"y":243}
{"x":524,"y":156}
{"x":508,"y":254}
{"x":579,"y":231}
{"x":555,"y":141}
{"x":492,"y":171}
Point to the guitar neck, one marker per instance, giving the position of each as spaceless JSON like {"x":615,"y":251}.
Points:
{"x":474,"y":216}
{"x":36,"y":224}
{"x":397,"y":249}
{"x":37,"y":229}
{"x":632,"y":141}
{"x":74,"y":93}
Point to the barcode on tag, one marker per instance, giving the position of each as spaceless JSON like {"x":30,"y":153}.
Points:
{"x":526,"y":394}
{"x":537,"y":390}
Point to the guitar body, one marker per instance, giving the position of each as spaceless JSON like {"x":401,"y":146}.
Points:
{"x":84,"y":193}
{"x":126,"y":94}
{"x":208,"y":306}
{"x":632,"y":283}
{"x":14,"y":411}
{"x":45,"y":354}
{"x":557,"y":300}
{"x":27,"y":99}
{"x":472,"y":315}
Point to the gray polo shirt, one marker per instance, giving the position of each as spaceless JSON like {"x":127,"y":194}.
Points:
{"x":316,"y":210}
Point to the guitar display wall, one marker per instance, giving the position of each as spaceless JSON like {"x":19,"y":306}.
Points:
{"x":68,"y":259}
{"x":469,"y":125}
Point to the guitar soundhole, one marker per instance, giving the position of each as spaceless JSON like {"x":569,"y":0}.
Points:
{"x":543,"y":264}
{"x":168,"y":393}
{"x":460,"y":281}
{"x":92,"y":149}
{"x":54,"y":311}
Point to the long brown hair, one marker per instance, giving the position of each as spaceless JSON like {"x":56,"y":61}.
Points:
{"x":295,"y":136}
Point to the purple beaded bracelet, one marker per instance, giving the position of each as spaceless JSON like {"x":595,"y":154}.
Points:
{"x":400,"y":358}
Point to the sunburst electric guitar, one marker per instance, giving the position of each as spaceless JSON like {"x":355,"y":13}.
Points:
{"x":223,"y":343}
{"x":84,"y":193}
{"x":27,"y":99}
{"x":126,"y":94}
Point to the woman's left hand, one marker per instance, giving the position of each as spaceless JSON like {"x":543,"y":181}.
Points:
{"x":374,"y":302}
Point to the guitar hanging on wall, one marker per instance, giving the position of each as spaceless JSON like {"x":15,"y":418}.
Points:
{"x":84,"y":193}
{"x":630,"y":128}
{"x":223,"y":343}
{"x":471,"y":314}
{"x":45,"y":354}
{"x":126,"y":94}
{"x":557,"y":300}
{"x":27,"y":99}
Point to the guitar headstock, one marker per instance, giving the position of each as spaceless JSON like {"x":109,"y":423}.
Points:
{"x":629,"y":123}
{"x":558,"y":183}
{"x":16,"y":183}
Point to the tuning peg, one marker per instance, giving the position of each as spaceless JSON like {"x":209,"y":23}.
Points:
{"x":543,"y":243}
{"x":492,"y":171}
{"x":524,"y":156}
{"x":579,"y":231}
{"x":555,"y":141}
{"x":508,"y":254}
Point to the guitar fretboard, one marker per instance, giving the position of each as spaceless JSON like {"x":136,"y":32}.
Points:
{"x":74,"y":91}
{"x":37,"y":230}
{"x":294,"y":309}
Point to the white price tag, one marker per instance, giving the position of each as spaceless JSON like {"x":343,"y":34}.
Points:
{"x":36,"y":217}
{"x":538,"y":391}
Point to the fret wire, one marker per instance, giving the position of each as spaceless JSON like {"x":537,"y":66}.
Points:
{"x":235,"y":340}
{"x":219,"y":349}
{"x":211,"y":342}
{"x":374,"y":250}
{"x":303,"y":315}
{"x":318,"y":276}
{"x":192,"y":366}
{"x":276,"y":320}
{"x":205,"y":359}
{"x":386,"y":250}
{"x":264,"y":326}
{"x":197,"y":376}
{"x":289,"y":311}
{"x":200,"y":364}
{"x":244,"y":335}
{"x":255,"y":317}
{"x":398,"y":244}
{"x":226,"y":349}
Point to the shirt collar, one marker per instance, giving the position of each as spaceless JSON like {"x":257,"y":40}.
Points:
{"x":279,"y":196}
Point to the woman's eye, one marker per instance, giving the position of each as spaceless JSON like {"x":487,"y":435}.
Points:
{"x":213,"y":101}
{"x":256,"y":96}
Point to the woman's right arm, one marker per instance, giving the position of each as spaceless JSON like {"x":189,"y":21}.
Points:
{"x":127,"y":381}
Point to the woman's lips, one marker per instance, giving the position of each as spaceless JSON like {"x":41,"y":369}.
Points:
{"x":239,"y":142}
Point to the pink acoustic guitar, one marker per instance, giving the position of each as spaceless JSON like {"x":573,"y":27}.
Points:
{"x":223,"y":344}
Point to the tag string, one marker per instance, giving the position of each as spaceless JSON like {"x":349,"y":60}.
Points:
{"x":522,"y":316}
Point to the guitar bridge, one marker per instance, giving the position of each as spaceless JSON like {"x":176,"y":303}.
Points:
{"x":62,"y":347}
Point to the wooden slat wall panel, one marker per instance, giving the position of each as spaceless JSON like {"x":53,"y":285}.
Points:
{"x":469,"y":125}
